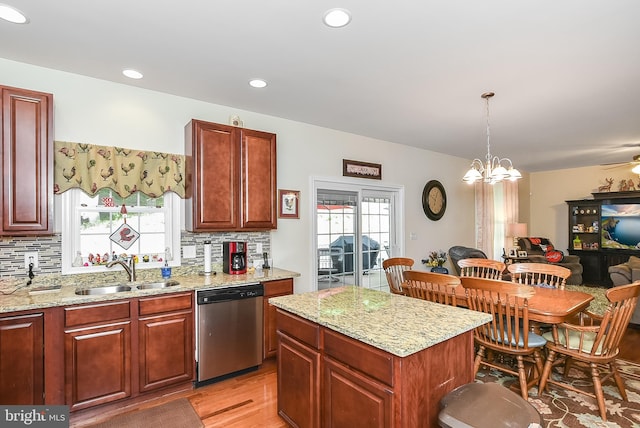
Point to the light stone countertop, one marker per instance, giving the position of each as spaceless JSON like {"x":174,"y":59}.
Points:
{"x":396,"y":324}
{"x":15,"y":296}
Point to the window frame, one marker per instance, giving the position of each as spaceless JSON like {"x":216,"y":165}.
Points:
{"x":71,"y":234}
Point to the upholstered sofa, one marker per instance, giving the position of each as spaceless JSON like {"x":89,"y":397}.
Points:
{"x":537,"y":248}
{"x":626,"y":273}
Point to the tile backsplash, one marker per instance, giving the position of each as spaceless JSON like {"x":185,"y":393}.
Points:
{"x":49,"y":250}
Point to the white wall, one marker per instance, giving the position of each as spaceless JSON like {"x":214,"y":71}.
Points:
{"x":99,"y":112}
{"x":550,"y":189}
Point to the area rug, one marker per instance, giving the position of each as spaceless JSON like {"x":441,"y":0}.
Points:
{"x":561,"y":408}
{"x":174,"y":414}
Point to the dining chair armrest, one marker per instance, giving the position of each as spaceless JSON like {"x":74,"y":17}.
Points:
{"x":589,"y":318}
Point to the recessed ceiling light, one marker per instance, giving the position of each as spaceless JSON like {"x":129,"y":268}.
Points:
{"x":12,"y":14}
{"x":132,"y":74}
{"x":257,"y":83}
{"x":337,"y":18}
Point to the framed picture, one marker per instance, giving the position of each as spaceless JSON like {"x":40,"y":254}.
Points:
{"x":522,"y":254}
{"x":351,"y":168}
{"x":289,"y":201}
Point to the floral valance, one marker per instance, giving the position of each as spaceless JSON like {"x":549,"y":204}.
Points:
{"x":91,"y":167}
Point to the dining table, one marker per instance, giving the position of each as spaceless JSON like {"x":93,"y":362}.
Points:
{"x":547,"y":305}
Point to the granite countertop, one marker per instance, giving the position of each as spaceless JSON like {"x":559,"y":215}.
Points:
{"x":396,"y":324}
{"x":15,"y":296}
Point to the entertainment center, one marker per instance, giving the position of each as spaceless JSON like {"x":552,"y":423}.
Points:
{"x":604,"y":231}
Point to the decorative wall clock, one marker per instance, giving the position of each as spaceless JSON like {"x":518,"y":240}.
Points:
{"x":434,"y":200}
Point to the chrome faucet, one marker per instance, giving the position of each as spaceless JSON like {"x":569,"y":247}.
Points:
{"x":129,"y":265}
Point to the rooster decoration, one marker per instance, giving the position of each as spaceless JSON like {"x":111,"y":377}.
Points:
{"x":127,"y":168}
{"x":70,"y":153}
{"x":69,"y":175}
{"x":106,"y":175}
{"x":106,"y":154}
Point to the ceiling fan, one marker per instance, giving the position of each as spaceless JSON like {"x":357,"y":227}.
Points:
{"x":635,"y":163}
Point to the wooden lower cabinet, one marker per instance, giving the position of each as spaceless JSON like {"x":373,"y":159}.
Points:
{"x":97,"y":347}
{"x":121,"y":349}
{"x":355,"y":384}
{"x":352,"y":399}
{"x":166,"y":349}
{"x":281,"y":287}
{"x":22,"y":359}
{"x":298,"y":383}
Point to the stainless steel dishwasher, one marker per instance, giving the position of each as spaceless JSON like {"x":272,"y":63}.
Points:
{"x":229,"y":330}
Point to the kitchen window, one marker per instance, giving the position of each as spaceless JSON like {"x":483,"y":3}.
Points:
{"x":89,"y":222}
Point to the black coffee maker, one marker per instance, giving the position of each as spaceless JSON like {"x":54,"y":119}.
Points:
{"x":234,"y":257}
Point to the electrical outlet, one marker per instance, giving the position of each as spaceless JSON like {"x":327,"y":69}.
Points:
{"x":259,"y":248}
{"x":189,"y":252}
{"x":31,"y":257}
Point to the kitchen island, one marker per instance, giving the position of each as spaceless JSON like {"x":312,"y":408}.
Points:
{"x":352,"y":356}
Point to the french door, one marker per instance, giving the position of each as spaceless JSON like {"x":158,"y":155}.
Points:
{"x":356,"y":229}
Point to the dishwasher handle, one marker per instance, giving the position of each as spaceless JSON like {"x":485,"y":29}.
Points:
{"x":228,"y":294}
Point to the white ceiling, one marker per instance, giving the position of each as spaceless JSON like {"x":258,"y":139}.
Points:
{"x":566,"y":73}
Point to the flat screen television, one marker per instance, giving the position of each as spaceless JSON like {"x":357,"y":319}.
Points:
{"x":620,"y":226}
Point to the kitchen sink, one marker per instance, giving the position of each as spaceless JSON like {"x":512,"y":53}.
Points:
{"x":103,"y":290}
{"x":163,"y":284}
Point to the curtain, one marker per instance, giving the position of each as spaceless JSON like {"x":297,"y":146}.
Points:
{"x":484,"y":217}
{"x":91,"y":167}
{"x":496,"y":207}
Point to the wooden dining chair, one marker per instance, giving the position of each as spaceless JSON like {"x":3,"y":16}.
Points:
{"x":592,"y":345}
{"x":435,"y":287}
{"x":481,"y":268}
{"x":539,"y":274}
{"x":393,"y":268}
{"x":508,"y":332}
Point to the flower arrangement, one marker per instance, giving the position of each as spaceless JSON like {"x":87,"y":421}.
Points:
{"x":436,"y":258}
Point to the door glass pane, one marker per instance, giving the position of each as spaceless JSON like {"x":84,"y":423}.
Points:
{"x":376,"y":229}
{"x":336,"y":232}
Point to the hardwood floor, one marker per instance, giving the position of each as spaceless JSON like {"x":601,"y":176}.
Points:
{"x":250,"y":400}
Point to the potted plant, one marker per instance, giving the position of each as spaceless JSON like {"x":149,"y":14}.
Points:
{"x":436,"y":261}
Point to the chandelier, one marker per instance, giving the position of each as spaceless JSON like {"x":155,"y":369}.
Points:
{"x":494,"y":169}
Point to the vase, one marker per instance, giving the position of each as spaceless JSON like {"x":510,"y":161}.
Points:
{"x":439,"y":269}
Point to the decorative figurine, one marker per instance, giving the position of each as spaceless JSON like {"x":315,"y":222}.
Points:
{"x":606,"y":187}
{"x":77,"y":262}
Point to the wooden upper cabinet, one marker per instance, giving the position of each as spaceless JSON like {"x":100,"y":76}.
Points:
{"x":27,"y":162}
{"x":259,"y":200}
{"x":231,"y":178}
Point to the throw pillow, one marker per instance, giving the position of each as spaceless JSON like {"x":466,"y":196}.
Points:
{"x":536,"y":244}
{"x":634,"y":262}
{"x":554,"y":256}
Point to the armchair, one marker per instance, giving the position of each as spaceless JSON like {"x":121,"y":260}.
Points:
{"x":626,"y":273}
{"x":535,"y":248}
{"x":458,"y":252}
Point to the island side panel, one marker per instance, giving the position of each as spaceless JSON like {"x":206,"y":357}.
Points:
{"x":424,"y":378}
{"x":357,"y":379}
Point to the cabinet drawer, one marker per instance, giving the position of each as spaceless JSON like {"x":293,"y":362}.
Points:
{"x":298,"y":328}
{"x":367,"y":359}
{"x":168,"y":303}
{"x":101,"y":312}
{"x":278,"y":288}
